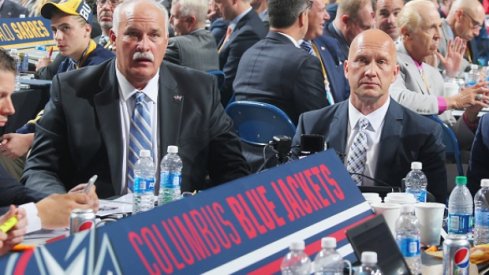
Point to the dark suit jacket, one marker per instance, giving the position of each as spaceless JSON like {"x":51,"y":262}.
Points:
{"x":12,"y":192}
{"x":249,"y":30}
{"x":332,"y":59}
{"x":406,"y":137}
{"x":275,"y":71}
{"x":479,"y":157}
{"x":12,"y":9}
{"x":80,"y":132}
{"x":218,"y":29}
{"x":343,"y":46}
{"x":196,"y":50}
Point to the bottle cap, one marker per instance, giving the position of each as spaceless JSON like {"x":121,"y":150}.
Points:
{"x":297,"y":245}
{"x":474,"y":66}
{"x":460,"y":180}
{"x":484,"y":182}
{"x":144,"y":153}
{"x":416,"y":165}
{"x":369,"y":257}
{"x":172,"y":149}
{"x":407,"y":208}
{"x":328,"y":242}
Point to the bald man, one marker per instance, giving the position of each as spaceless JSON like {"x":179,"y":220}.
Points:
{"x":395,"y":136}
{"x":465,"y":20}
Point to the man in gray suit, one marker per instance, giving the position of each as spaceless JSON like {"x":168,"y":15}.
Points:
{"x":192,"y":46}
{"x":419,"y":86}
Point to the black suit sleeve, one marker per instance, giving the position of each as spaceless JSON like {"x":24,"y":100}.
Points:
{"x":172,"y":53}
{"x":479,"y":161}
{"x":12,"y":192}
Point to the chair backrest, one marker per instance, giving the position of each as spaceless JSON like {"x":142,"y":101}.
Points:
{"x":219,"y":75}
{"x":257,"y":122}
{"x":452,"y":147}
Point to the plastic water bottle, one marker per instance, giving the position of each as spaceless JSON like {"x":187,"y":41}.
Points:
{"x":472,"y":77}
{"x":144,"y":182}
{"x":296,"y":262}
{"x":460,"y":207}
{"x":416,"y":182}
{"x":408,"y":237}
{"x":25,"y":63}
{"x":481,"y":214}
{"x":369,"y":264}
{"x":328,"y":261}
{"x":15,"y":55}
{"x":170,"y":176}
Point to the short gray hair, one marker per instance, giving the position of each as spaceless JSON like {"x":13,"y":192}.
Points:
{"x":197,"y":8}
{"x":129,"y":3}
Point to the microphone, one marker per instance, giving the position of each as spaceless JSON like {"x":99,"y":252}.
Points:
{"x":384,"y":189}
{"x":280,"y":145}
{"x":311,"y":144}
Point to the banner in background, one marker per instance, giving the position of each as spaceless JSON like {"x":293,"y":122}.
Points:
{"x":25,"y":32}
{"x":244,"y":226}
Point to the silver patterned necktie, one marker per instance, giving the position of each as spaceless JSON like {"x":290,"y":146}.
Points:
{"x":140,"y":137}
{"x":358,"y":152}
{"x":307,"y":46}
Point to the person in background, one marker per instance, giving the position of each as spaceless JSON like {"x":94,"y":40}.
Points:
{"x":12,"y":9}
{"x":105,"y":10}
{"x":353,"y":17}
{"x":372,"y":132}
{"x":192,"y":46}
{"x":218,"y":25}
{"x":386,"y":12}
{"x":479,"y":161}
{"x":261,"y":7}
{"x":175,"y":106}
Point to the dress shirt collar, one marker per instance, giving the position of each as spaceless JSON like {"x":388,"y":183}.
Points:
{"x":127,"y":90}
{"x":296,"y":43}
{"x":375,"y":118}
{"x":235,"y":21}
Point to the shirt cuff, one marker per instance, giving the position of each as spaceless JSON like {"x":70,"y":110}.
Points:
{"x":442,"y":105}
{"x":33,"y":220}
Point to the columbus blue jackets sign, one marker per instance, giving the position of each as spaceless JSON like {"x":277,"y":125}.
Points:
{"x":244,"y":226}
{"x":25,"y":32}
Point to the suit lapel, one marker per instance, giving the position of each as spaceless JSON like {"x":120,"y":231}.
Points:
{"x":108,"y":113}
{"x":390,"y":137}
{"x":411,"y":67}
{"x":170,"y":106}
{"x":337,"y":130}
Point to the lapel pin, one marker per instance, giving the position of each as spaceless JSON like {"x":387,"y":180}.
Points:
{"x":323,"y":48}
{"x":178,"y":98}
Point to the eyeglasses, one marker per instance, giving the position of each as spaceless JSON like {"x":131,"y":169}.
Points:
{"x":113,"y":3}
{"x":475,"y":24}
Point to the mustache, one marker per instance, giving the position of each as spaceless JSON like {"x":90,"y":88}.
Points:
{"x":143,"y":56}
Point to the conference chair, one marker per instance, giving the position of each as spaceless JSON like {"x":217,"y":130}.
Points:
{"x":452,"y":147}
{"x":256,"y":124}
{"x":219,"y":75}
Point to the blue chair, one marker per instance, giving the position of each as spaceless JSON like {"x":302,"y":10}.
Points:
{"x":452,"y":147}
{"x":219,"y":75}
{"x":256,"y":122}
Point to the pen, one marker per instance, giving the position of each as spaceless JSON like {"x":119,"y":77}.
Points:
{"x":50,"y":52}
{"x":7,"y":225}
{"x":90,"y":183}
{"x":22,"y":247}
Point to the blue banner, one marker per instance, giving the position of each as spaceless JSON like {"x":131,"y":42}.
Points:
{"x":25,"y":32}
{"x":244,"y":226}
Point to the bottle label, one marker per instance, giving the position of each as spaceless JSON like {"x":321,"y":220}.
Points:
{"x":419,"y":194}
{"x":409,"y":247}
{"x":143,"y":185}
{"x":481,"y":218}
{"x":459,"y":223}
{"x":170,"y":180}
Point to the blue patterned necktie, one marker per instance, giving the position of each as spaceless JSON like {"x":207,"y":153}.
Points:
{"x":307,"y":46}
{"x":140,"y":137}
{"x":358,"y":152}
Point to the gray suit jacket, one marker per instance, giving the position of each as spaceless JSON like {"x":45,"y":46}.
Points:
{"x":405,"y":137}
{"x":80,"y":133}
{"x":196,"y":50}
{"x":410,"y":90}
{"x":447,"y":35}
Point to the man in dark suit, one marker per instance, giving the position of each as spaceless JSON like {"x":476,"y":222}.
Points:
{"x":244,"y":30}
{"x":192,"y":46}
{"x":276,"y":70}
{"x":12,"y":9}
{"x":88,"y":123}
{"x":327,"y":50}
{"x":378,"y":137}
{"x":354,"y":16}
{"x":479,"y":156}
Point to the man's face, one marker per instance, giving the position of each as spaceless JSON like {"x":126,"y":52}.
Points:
{"x":468,"y":23}
{"x":105,"y":10}
{"x":385,"y":16}
{"x":7,"y":86}
{"x":141,"y":43}
{"x":227,"y":10}
{"x":179,"y":22}
{"x":317,"y":16}
{"x":371,"y":67}
{"x":364,"y":21}
{"x":71,"y":36}
{"x":424,"y":40}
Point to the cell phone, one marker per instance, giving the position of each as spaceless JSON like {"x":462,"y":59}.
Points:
{"x":8,"y":224}
{"x":90,"y":183}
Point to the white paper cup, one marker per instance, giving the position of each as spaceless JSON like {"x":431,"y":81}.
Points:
{"x":430,"y":218}
{"x":372,"y":198}
{"x":450,"y":88}
{"x":400,"y":198}
{"x":390,"y":211}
